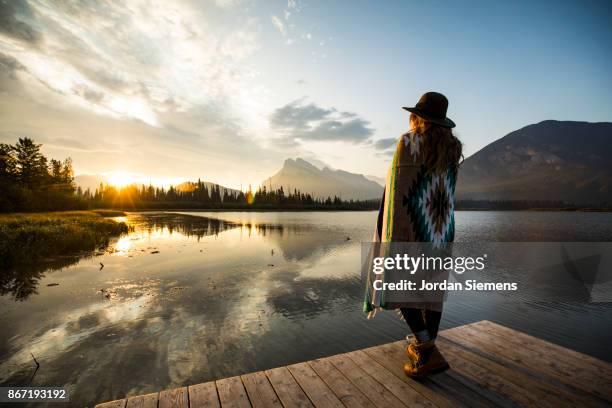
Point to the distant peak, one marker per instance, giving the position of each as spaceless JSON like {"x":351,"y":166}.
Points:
{"x":565,"y":122}
{"x":302,"y":161}
{"x":299,"y":162}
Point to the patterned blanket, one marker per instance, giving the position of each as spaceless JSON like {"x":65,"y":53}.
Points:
{"x":417,"y":206}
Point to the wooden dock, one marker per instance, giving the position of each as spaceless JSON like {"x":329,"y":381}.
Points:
{"x":491,"y":365}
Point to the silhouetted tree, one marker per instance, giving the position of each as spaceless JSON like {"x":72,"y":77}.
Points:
{"x":31,"y":182}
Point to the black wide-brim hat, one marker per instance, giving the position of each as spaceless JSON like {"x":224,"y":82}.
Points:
{"x":432,"y":107}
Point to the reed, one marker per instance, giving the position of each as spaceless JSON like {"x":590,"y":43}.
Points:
{"x":30,"y":237}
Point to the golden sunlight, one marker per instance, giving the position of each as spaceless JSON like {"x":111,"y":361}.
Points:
{"x":120,"y":179}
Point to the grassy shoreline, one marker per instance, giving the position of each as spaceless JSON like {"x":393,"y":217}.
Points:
{"x":27,"y":237}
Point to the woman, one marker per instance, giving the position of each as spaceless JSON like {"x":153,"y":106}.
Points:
{"x":418,"y":206}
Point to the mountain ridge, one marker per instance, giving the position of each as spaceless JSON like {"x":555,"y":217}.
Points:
{"x":300,"y":174}
{"x":551,"y":160}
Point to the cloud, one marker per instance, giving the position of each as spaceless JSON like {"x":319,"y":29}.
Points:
{"x":226,"y":3}
{"x":14,"y":16}
{"x":280,"y":26}
{"x":9,"y":74}
{"x":129,"y":60}
{"x":153,"y":86}
{"x":9,"y":65}
{"x":88,"y":94}
{"x":285,"y":25}
{"x":300,"y":121}
{"x":384,"y":144}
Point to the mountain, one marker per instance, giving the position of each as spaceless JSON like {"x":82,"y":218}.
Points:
{"x":379,"y":180}
{"x":548,"y":161}
{"x":302,"y":175}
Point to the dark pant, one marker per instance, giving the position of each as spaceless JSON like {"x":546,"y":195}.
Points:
{"x":422,"y":319}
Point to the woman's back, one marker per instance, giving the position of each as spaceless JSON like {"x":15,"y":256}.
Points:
{"x":419,"y":199}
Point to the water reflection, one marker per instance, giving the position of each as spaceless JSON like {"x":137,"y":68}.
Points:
{"x":184,"y":299}
{"x":197,"y":227}
{"x":180,"y":299}
{"x":296,"y":243}
{"x":21,"y":281}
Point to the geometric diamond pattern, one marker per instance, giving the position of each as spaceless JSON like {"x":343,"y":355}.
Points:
{"x":430,"y":203}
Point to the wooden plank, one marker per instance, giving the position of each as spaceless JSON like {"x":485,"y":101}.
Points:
{"x":318,"y":392}
{"x":348,"y":394}
{"x":465,"y":388}
{"x":545,"y":393}
{"x":287,"y":389}
{"x":203,"y":395}
{"x":232,"y":393}
{"x":175,"y":398}
{"x":395,"y":385}
{"x":394,"y":364}
{"x":552,"y":365}
{"x":597,"y":366}
{"x":113,"y":404}
{"x":143,"y":401}
{"x":376,"y":392}
{"x":260,"y":390}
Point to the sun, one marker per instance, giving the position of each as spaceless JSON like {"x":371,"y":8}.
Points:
{"x":120,"y":179}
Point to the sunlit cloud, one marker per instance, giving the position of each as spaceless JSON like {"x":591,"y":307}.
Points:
{"x":168,"y":66}
{"x":130,"y":60}
{"x":161,"y":91}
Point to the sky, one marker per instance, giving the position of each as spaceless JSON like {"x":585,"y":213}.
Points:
{"x":226,"y":90}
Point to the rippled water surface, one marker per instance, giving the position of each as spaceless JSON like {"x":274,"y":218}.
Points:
{"x":186,"y":298}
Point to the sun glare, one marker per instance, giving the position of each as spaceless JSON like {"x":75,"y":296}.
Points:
{"x":120,"y":179}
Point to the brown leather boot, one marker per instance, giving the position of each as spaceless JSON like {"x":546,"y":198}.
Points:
{"x":425,"y":359}
{"x":410,"y":350}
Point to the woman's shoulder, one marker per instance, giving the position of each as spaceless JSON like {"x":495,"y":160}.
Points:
{"x":411,"y":144}
{"x":411,"y":137}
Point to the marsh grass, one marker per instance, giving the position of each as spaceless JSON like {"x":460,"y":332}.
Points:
{"x":25,"y":238}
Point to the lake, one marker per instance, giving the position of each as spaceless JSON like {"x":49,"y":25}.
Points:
{"x":189,"y":297}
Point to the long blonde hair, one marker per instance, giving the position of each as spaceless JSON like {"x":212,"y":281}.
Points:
{"x":440,"y":147}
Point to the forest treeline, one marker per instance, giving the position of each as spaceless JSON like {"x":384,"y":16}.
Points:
{"x":30,"y":182}
{"x":202,"y":195}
